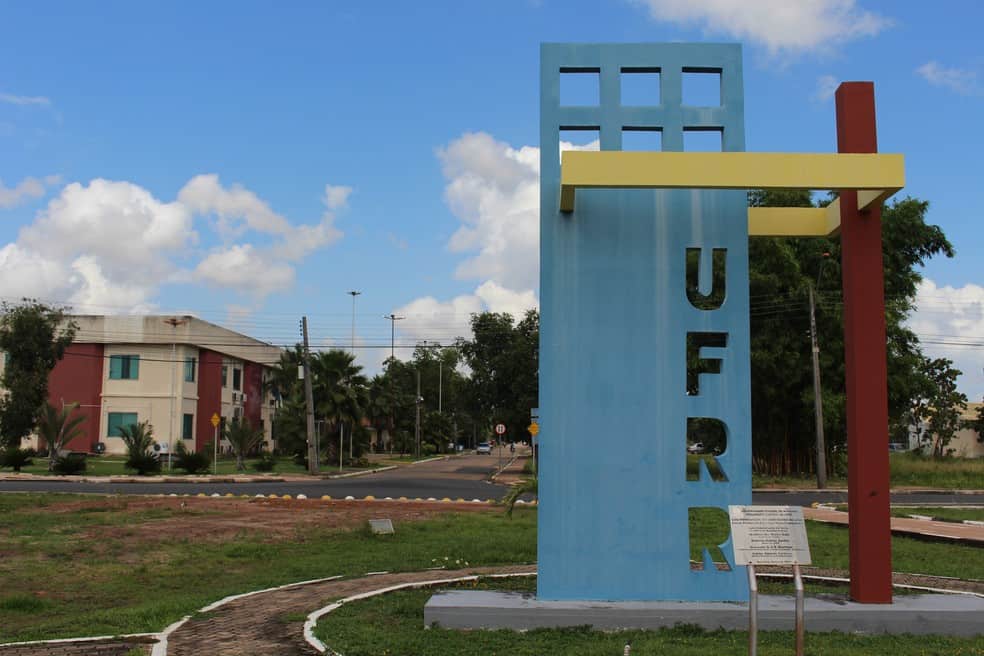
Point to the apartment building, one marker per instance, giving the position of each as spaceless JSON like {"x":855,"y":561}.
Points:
{"x":174,"y":372}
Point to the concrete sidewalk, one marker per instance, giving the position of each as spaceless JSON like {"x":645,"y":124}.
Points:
{"x":969,"y":533}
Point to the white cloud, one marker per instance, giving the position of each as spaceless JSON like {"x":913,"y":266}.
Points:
{"x":950,"y":323}
{"x":956,"y":79}
{"x":236,"y":207}
{"x":826,"y":87}
{"x":11,"y":99}
{"x":336,"y":197}
{"x":494,"y":190}
{"x":239,"y":210}
{"x":798,"y":26}
{"x":110,"y":245}
{"x":25,"y":190}
{"x":246,"y":268}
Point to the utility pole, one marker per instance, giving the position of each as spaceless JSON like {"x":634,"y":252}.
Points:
{"x":417,"y":424}
{"x":352,"y":432}
{"x":309,"y":401}
{"x":393,"y":319}
{"x":817,"y":398}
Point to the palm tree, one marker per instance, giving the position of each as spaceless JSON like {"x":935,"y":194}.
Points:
{"x":139,"y":439}
{"x":243,"y":438}
{"x":527,"y":486}
{"x":58,"y":428}
{"x":340,"y":390}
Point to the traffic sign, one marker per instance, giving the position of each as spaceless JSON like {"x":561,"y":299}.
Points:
{"x":500,"y":429}
{"x":533,"y":428}
{"x":215,"y":420}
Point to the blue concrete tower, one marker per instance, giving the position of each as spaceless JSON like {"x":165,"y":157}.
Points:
{"x":618,"y":329}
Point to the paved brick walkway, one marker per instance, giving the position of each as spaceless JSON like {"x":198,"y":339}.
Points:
{"x":947,"y":530}
{"x":272,"y":624}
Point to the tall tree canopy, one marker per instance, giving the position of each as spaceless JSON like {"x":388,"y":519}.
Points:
{"x":33,"y":338}
{"x":781,"y":271}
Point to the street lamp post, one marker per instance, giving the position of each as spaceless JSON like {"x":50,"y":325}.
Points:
{"x":393,"y":319}
{"x":352,"y":431}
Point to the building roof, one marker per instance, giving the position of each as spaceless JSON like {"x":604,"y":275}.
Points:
{"x":186,"y":330}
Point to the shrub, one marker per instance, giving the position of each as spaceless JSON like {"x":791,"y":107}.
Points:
{"x":266,"y":463}
{"x":193,"y":462}
{"x":428,"y":450}
{"x":15,"y":458}
{"x":73,"y":463}
{"x":143,"y":463}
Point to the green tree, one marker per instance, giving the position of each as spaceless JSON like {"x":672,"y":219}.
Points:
{"x":289,"y":420}
{"x":340,"y":395}
{"x":940,"y":411}
{"x":503,"y":358}
{"x":34,"y":337}
{"x":57,"y":428}
{"x":977,"y":423}
{"x":780,"y":273}
{"x":139,"y":439}
{"x":243,"y":437}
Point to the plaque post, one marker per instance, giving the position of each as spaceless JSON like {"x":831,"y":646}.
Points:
{"x":753,"y":604}
{"x":800,"y":627}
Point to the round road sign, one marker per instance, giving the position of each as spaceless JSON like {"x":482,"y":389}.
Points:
{"x":500,"y":429}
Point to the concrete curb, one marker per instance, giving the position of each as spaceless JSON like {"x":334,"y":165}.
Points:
{"x":62,"y":641}
{"x":361,"y":473}
{"x":312,"y":618}
{"x":160,"y":648}
{"x":843,"y":490}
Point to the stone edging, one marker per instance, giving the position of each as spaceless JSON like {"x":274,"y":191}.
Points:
{"x":62,"y":641}
{"x":361,"y":473}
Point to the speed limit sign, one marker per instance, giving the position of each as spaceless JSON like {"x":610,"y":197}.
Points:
{"x":500,"y":429}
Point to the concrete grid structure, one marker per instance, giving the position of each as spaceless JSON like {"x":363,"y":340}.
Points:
{"x":174,"y":372}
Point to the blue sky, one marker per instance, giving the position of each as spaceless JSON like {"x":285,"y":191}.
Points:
{"x":253,"y":161}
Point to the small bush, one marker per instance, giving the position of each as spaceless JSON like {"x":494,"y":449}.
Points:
{"x":266,"y":463}
{"x":144,"y":463}
{"x":73,"y":463}
{"x":428,"y":450}
{"x":193,"y":462}
{"x":358,"y":462}
{"x":15,"y":458}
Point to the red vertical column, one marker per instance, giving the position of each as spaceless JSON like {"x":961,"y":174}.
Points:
{"x":864,"y":354}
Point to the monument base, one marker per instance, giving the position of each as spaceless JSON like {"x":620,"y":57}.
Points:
{"x":949,"y":614}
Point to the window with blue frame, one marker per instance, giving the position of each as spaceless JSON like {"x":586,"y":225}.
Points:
{"x":124,"y":367}
{"x":117,"y":420}
{"x":190,"y":370}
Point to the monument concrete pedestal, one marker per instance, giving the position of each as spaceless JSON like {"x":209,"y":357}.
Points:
{"x":949,"y":614}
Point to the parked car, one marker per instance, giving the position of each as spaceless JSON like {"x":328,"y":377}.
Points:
{"x":484,"y":449}
{"x":696,"y":447}
{"x":896,"y":447}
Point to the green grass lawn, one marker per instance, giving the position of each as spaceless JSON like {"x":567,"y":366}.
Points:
{"x":905,"y":470}
{"x":394,"y":624}
{"x":107,"y":569}
{"x":945,"y":513}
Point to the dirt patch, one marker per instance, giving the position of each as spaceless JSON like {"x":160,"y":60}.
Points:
{"x":215,"y":520}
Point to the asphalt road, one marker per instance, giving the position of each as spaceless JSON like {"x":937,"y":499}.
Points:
{"x":463,"y":477}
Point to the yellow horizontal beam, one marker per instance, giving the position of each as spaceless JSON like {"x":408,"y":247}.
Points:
{"x":880,"y":174}
{"x":794,"y":221}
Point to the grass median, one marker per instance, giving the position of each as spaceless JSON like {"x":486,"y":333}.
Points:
{"x":394,"y":624}
{"x":75,"y":565}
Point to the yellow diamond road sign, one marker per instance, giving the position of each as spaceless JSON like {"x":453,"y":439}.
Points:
{"x":533,"y":428}
{"x":215,"y":420}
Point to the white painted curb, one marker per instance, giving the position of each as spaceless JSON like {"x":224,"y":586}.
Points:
{"x":160,"y":649}
{"x":312,"y":619}
{"x":361,"y":473}
{"x":60,"y":641}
